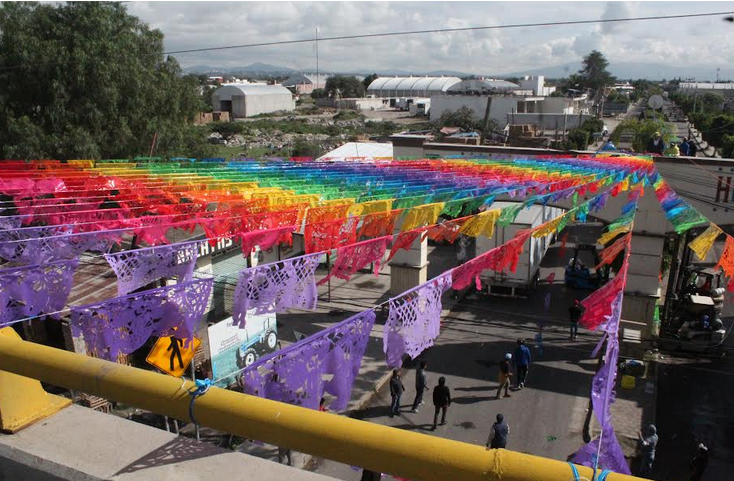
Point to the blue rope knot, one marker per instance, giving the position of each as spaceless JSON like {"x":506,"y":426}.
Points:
{"x":201,"y":388}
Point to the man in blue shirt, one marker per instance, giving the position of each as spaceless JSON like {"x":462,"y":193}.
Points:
{"x":521,"y":359}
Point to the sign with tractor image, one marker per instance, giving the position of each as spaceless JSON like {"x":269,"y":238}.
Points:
{"x":232,"y":349}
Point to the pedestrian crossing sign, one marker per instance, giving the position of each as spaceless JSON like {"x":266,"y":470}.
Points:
{"x":170,"y":356}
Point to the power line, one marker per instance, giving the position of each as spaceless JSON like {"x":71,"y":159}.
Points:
{"x":449,"y":30}
{"x":415,"y":32}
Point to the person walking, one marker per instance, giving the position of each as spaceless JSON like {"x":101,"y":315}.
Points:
{"x":498,"y":434}
{"x":574,"y":314}
{"x":646,"y":446}
{"x":421,"y":384}
{"x":396,"y":391}
{"x":521,"y":358}
{"x":504,"y":375}
{"x":441,"y":401}
{"x":700,"y":462}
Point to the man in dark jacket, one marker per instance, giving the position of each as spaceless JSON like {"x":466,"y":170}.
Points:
{"x":441,"y":401}
{"x":656,"y":145}
{"x":498,"y":434}
{"x":574,"y":314}
{"x":692,"y":148}
{"x":685,"y":147}
{"x":521,"y":358}
{"x":421,"y":384}
{"x":396,"y":390}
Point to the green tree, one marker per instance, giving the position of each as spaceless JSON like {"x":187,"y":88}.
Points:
{"x":642,"y":131}
{"x":305,"y":149}
{"x":227,"y":129}
{"x":462,"y":118}
{"x":88,"y":80}
{"x":318,"y":93}
{"x":368,"y":80}
{"x":345,"y":87}
{"x":594,"y":74}
{"x":727,"y":147}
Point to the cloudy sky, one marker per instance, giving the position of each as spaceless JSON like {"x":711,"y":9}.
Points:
{"x":699,"y":41}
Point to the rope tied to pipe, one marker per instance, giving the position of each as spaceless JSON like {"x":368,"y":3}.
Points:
{"x":201,"y":388}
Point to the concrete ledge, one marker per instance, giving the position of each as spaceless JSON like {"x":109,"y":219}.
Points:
{"x":79,"y":444}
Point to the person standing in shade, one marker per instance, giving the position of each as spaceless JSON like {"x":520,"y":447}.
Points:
{"x":498,"y":434}
{"x":421,"y":384}
{"x":396,"y":390}
{"x":574,"y":314}
{"x":504,"y":378}
{"x":692,"y":148}
{"x":522,"y":362}
{"x":647,"y":445}
{"x":441,"y":401}
{"x":700,"y":462}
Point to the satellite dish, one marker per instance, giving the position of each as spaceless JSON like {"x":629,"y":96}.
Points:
{"x":655,"y":102}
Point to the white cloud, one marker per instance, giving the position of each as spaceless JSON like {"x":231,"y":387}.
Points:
{"x":189,"y":25}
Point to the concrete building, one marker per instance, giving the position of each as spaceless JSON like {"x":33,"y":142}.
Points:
{"x":536,"y":84}
{"x":305,"y":83}
{"x":548,"y":113}
{"x":247,"y":100}
{"x":410,"y":86}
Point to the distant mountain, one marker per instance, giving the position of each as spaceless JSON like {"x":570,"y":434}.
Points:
{"x":631,"y":70}
{"x":257,"y":68}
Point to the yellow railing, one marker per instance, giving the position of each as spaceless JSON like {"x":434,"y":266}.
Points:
{"x":379,"y":448}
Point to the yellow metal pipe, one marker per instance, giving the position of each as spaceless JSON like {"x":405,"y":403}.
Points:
{"x":379,"y":448}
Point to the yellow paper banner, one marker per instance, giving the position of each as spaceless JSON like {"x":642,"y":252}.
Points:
{"x":371,"y":207}
{"x":607,"y":236}
{"x":550,"y":226}
{"x":702,"y":244}
{"x":481,"y":224}
{"x":422,"y":215}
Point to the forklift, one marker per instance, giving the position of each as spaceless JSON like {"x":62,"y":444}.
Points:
{"x":693,"y":321}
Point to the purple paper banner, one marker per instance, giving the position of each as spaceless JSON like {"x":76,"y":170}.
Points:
{"x":32,"y":245}
{"x":124,"y":324}
{"x":610,"y":456}
{"x":140,"y":267}
{"x":414,"y":321}
{"x":276,"y":287}
{"x":34,"y":290}
{"x":295,"y":375}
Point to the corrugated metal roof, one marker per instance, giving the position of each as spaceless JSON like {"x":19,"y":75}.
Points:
{"x":482,"y":85}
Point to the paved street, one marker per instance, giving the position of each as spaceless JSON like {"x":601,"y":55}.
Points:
{"x":695,"y":405}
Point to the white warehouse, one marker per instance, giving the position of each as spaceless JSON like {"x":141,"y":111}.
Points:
{"x":247,"y":100}
{"x":410,"y":86}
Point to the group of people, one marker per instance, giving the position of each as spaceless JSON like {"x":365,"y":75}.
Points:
{"x":686,"y":148}
{"x":520,"y":359}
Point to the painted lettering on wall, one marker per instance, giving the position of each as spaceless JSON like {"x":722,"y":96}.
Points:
{"x":724,"y":190}
{"x":206,"y":249}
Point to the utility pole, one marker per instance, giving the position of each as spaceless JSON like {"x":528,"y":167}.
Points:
{"x":485,"y":124}
{"x":317,"y":57}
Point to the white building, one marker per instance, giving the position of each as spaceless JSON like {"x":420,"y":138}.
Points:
{"x":305,"y":83}
{"x":536,"y":84}
{"x":725,"y":89}
{"x":410,"y":86}
{"x":247,"y":100}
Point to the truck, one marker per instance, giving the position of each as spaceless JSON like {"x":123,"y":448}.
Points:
{"x":527,"y":275}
